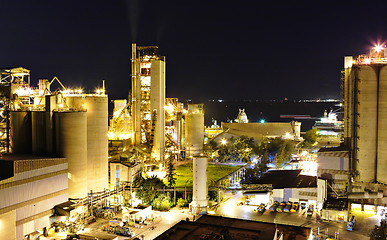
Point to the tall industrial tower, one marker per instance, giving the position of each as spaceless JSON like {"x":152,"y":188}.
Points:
{"x":148,"y":99}
{"x":365,"y":116}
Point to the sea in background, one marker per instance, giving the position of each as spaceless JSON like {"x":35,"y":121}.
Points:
{"x":270,"y":111}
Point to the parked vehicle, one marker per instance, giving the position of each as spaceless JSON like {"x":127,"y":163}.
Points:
{"x":303,"y":205}
{"x":310,"y":210}
{"x":288,"y":207}
{"x":262,"y":208}
{"x":274,"y":206}
{"x":295,"y":207}
{"x":351,"y":223}
{"x":281,"y":207}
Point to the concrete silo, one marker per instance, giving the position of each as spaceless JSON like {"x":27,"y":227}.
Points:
{"x":366,"y":120}
{"x":365,"y":116}
{"x":381,"y":167}
{"x":200,"y":188}
{"x":20,"y":132}
{"x":96,"y":107}
{"x":97,"y":142}
{"x":71,"y":142}
{"x":194,"y":130}
{"x":39,"y":133}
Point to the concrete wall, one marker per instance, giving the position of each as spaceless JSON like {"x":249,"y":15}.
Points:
{"x":294,"y":193}
{"x":8,"y":225}
{"x":334,"y":163}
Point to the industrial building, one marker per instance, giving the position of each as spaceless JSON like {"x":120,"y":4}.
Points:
{"x":54,"y":144}
{"x":30,"y":187}
{"x":150,"y":125}
{"x":148,"y":99}
{"x":258,"y":131}
{"x":66,"y":124}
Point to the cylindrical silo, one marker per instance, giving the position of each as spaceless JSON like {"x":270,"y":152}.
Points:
{"x":194,"y":130}
{"x":71,"y":143}
{"x":366,"y":122}
{"x":39,"y":132}
{"x":200,"y":189}
{"x":20,"y":134}
{"x":382,"y":127}
{"x":97,"y":142}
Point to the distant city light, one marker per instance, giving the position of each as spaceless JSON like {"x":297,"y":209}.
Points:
{"x":262,"y":121}
{"x":220,"y":100}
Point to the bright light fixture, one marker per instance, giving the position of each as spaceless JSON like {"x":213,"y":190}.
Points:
{"x":378,"y":48}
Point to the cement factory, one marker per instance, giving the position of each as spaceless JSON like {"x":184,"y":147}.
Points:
{"x":55,"y":143}
{"x":64,"y":162}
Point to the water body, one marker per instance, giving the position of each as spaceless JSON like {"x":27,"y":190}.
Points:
{"x":270,"y":111}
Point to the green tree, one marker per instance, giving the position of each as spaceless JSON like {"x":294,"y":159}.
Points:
{"x":310,"y":137}
{"x":171,"y":175}
{"x":148,"y":191}
{"x":253,"y":174}
{"x":181,"y":203}
{"x":276,"y":150}
{"x":161,"y":203}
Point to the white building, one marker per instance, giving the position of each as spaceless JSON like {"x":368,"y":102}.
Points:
{"x":30,"y":187}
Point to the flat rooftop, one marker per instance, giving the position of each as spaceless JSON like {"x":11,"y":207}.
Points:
{"x":217,"y":227}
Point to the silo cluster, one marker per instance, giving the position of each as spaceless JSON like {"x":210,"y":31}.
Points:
{"x":365,"y":100}
{"x":75,"y":129}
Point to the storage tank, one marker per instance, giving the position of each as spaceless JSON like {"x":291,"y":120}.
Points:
{"x":382,"y":127}
{"x":194,"y":130}
{"x":97,"y":142}
{"x":200,"y":189}
{"x":71,"y":142}
{"x":39,"y":133}
{"x":367,"y":122}
{"x":157,"y":105}
{"x":20,"y":132}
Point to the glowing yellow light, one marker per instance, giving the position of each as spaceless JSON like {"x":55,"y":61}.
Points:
{"x":224,"y":141}
{"x":288,"y":136}
{"x":367,"y":61}
{"x":169,"y":108}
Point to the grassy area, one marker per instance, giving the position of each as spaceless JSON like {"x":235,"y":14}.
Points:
{"x":184,"y":173}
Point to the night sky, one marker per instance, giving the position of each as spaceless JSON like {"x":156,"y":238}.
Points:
{"x":214,"y":49}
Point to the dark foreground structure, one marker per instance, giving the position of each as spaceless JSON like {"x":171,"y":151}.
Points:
{"x":216,"y":227}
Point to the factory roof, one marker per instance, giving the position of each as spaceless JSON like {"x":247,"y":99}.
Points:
{"x":287,"y":179}
{"x":217,"y":227}
{"x":18,"y":163}
{"x":257,"y":130}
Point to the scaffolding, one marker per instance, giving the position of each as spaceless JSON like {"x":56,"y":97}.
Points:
{"x":14,"y":92}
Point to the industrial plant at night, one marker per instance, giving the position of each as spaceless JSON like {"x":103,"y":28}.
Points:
{"x":149,"y":168}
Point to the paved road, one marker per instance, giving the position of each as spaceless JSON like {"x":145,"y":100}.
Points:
{"x":230,"y":209}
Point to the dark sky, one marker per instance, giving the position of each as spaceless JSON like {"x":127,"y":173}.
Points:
{"x":214,"y":49}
